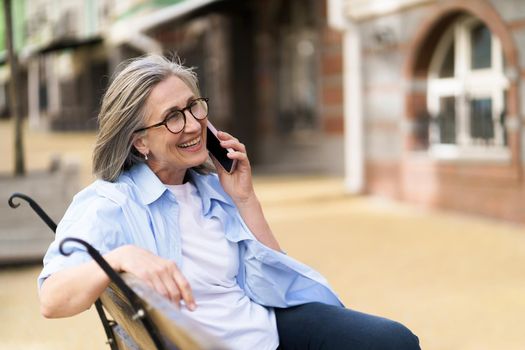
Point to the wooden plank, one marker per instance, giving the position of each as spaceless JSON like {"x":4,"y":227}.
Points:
{"x":177,"y":330}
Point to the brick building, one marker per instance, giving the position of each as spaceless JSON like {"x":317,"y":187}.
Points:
{"x":441,"y":101}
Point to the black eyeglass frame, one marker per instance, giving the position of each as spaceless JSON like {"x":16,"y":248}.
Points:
{"x":183,"y":112}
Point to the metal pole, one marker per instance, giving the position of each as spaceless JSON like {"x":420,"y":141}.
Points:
{"x":13,"y":91}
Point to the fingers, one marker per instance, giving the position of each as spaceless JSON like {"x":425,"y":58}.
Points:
{"x":239,"y":149}
{"x":228,"y":141}
{"x":171,"y":283}
{"x":185,"y":289}
{"x":239,"y":156}
{"x":167,"y":285}
{"x":160,"y":274}
{"x":161,"y":287}
{"x":223,"y":135}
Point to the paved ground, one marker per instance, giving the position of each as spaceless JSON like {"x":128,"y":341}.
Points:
{"x":457,"y":281}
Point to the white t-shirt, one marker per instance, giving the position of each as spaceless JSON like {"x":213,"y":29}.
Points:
{"x":210,"y":264}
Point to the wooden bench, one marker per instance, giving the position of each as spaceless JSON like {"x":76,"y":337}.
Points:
{"x":140,"y":317}
{"x":176,"y":330}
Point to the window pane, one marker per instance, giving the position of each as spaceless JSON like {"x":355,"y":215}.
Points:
{"x":481,"y":124}
{"x":447,"y":119}
{"x":447,"y":68}
{"x":480,"y":40}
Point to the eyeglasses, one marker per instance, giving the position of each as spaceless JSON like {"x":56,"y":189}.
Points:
{"x":175,"y":122}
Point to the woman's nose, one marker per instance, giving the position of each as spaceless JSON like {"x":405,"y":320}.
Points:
{"x":192,"y":124}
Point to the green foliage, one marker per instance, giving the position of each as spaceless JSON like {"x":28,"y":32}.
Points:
{"x":18,"y":9}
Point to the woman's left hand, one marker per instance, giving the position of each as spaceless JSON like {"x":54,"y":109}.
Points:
{"x":238,"y":184}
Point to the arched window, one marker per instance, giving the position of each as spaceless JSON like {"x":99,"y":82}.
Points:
{"x":466,"y":93}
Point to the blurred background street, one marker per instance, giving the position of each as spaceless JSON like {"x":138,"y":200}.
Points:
{"x":457,"y":281}
{"x":386,"y":139}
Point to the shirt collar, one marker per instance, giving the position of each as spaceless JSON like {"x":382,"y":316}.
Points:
{"x":149,"y":185}
{"x":151,"y":188}
{"x":209,"y":188}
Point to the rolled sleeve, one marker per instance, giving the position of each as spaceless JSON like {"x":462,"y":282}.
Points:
{"x":96,"y":220}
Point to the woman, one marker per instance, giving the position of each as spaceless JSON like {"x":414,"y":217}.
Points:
{"x":196,"y":237}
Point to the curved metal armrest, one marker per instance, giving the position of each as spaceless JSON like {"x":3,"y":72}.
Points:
{"x":107,"y":324}
{"x":34,"y":205}
{"x":139,"y":312}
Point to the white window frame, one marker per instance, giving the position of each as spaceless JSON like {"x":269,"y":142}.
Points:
{"x":464,"y":85}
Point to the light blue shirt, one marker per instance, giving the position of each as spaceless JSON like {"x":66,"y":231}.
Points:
{"x":138,"y":209}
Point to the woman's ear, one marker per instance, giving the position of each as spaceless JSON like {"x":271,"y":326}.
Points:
{"x":140,"y":144}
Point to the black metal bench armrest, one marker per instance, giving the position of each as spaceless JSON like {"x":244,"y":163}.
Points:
{"x":34,"y":205}
{"x":107,"y":324}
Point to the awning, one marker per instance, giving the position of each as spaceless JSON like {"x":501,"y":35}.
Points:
{"x":132,"y":30}
{"x":56,"y":45}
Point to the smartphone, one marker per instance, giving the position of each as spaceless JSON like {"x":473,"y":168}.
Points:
{"x":217,"y":151}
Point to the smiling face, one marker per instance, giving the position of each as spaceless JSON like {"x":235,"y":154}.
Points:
{"x":170,"y":155}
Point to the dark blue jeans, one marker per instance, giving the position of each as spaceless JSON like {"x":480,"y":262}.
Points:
{"x":321,"y":326}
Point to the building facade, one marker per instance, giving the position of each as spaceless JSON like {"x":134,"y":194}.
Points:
{"x":442,"y":89}
{"x":272,"y":69}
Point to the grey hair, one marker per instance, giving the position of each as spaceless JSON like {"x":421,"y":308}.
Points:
{"x":123,"y":111}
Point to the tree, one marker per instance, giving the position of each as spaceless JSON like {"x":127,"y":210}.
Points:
{"x":13,"y":91}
